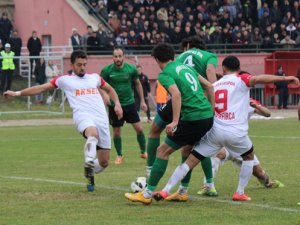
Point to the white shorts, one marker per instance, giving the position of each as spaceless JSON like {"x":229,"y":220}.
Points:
{"x":215,"y":139}
{"x":84,"y":121}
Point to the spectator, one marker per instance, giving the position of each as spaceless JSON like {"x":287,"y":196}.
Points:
{"x":264,"y":9}
{"x":146,"y":90}
{"x":51,"y":72}
{"x":295,"y":10}
{"x":34,"y":47}
{"x":8,"y":67}
{"x":132,"y":38}
{"x":282,"y":88}
{"x":5,"y":27}
{"x":122,"y":39}
{"x":102,"y":36}
{"x":114,"y":22}
{"x":93,"y":44}
{"x":102,"y":10}
{"x":75,"y":40}
{"x":256,"y":37}
{"x":287,"y":42}
{"x":177,"y":35}
{"x":86,"y":36}
{"x":111,"y":40}
{"x":275,"y":13}
{"x":40,"y":78}
{"x":16,"y":45}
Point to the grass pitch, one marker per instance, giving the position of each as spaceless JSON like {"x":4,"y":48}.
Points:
{"x":41,"y":181}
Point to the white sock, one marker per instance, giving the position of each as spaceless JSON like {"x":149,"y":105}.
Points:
{"x":182,"y":189}
{"x":178,"y":174}
{"x":245,"y":174}
{"x":147,"y":193}
{"x":90,"y":148}
{"x":216,"y":163}
{"x":98,"y":168}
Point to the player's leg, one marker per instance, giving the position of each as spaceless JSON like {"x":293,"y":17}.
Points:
{"x":161,"y":119}
{"x":133,"y":117}
{"x":89,"y":155}
{"x":158,"y":170}
{"x":117,"y":139}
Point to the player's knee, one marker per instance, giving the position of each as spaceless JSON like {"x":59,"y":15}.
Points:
{"x":221,"y":154}
{"x":104,"y":163}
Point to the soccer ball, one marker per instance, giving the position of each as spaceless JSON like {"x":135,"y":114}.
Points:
{"x":139,"y":184}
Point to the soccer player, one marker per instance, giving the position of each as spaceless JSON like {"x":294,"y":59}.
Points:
{"x":89,"y":113}
{"x":192,"y":113}
{"x":204,"y":63}
{"x":120,"y":75}
{"x":230,"y":129}
{"x":223,"y":155}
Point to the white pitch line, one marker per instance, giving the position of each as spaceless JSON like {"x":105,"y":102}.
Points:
{"x":275,"y":137}
{"x":124,"y":189}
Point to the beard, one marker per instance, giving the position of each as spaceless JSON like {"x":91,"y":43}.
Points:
{"x":80,"y":74}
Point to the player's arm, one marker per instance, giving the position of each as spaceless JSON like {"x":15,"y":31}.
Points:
{"x":176,"y":107}
{"x":211,"y":73}
{"x":105,"y":96}
{"x":113,"y":95}
{"x":139,"y":89}
{"x":31,"y":90}
{"x":266,"y":79}
{"x":209,"y":90}
{"x":259,"y":108}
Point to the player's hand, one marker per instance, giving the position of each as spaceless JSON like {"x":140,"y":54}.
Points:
{"x":293,"y":80}
{"x":144,"y":106}
{"x":171,"y":128}
{"x":119,"y":111}
{"x":10,"y":93}
{"x":254,"y":103}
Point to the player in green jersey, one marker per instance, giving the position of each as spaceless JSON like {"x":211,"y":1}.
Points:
{"x":205,"y":64}
{"x":192,"y":113}
{"x":120,"y":75}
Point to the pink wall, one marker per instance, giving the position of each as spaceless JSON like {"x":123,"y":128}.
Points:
{"x":47,"y":17}
{"x":253,"y":63}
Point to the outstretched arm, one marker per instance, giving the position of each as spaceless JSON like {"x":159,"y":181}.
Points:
{"x":31,"y":90}
{"x":266,"y":79}
{"x":211,"y":73}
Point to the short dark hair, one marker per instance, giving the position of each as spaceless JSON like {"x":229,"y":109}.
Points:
{"x":232,"y":63}
{"x":119,"y":48}
{"x":194,"y":42}
{"x":163,"y":52}
{"x":77,"y":54}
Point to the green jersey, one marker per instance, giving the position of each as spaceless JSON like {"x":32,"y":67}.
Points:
{"x":121,"y":80}
{"x":198,"y":59}
{"x":194,"y":104}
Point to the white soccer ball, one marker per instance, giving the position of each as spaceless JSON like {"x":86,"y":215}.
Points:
{"x":139,"y":184}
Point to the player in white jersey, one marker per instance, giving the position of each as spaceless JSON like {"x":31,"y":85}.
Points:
{"x":83,"y":92}
{"x":223,"y":155}
{"x":230,"y":129}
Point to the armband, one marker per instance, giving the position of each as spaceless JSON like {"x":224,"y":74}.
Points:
{"x":18,"y":93}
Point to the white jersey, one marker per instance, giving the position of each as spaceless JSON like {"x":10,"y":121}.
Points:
{"x":83,"y":94}
{"x":232,"y":103}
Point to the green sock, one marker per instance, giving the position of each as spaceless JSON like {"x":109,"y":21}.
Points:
{"x":152,"y":146}
{"x":186,"y":180}
{"x":158,"y":170}
{"x":118,"y":145}
{"x":142,"y":142}
{"x":207,"y":169}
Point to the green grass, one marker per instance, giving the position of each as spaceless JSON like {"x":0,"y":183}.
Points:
{"x":48,"y":154}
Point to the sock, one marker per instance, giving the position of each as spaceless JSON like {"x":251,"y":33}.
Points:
{"x":152,"y":146}
{"x":118,"y":145}
{"x":186,"y":180}
{"x":207,"y":169}
{"x":178,"y":174}
{"x":98,"y":168}
{"x":90,"y":148}
{"x":216,"y":163}
{"x":245,"y":174}
{"x":142,"y":142}
{"x":158,"y":170}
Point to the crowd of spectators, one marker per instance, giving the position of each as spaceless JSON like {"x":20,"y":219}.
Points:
{"x":266,"y":23}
